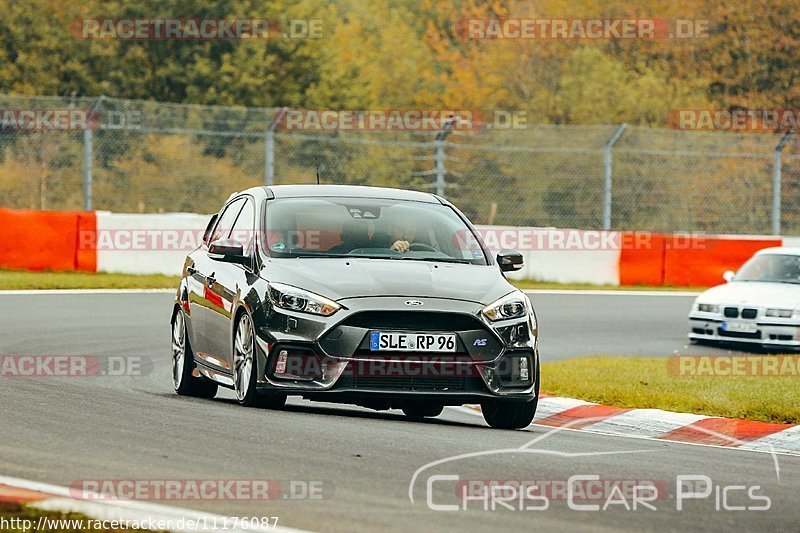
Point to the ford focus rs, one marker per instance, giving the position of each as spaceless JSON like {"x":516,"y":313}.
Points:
{"x":378,"y":297}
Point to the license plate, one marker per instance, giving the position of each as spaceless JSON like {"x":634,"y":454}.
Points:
{"x":381,"y":341}
{"x":739,"y":327}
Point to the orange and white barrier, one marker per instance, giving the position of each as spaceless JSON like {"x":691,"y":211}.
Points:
{"x":45,"y":240}
{"x":157,"y":244}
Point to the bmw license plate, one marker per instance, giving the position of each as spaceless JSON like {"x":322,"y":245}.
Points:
{"x":739,"y":327}
{"x":382,"y":341}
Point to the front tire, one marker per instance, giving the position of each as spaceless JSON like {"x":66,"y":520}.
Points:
{"x":509,"y":415}
{"x":501,"y":414}
{"x":244,"y":369}
{"x":183,"y":380}
{"x":423,"y":410}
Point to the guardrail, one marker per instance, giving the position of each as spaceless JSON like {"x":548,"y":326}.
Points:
{"x":101,"y":241}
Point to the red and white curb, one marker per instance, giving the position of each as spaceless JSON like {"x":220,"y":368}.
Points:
{"x":656,"y":424}
{"x":58,"y":499}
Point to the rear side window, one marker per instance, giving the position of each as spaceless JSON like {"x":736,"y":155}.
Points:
{"x":209,"y":227}
{"x":226,"y":221}
{"x":244,"y":227}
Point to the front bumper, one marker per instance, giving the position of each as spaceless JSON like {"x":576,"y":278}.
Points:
{"x":331,"y":356}
{"x":767,"y":333}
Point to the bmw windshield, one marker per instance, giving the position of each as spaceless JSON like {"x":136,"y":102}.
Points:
{"x":774,"y":268}
{"x":369,"y":228}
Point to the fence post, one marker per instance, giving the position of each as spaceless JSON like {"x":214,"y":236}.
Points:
{"x":440,"y":156}
{"x":93,"y":120}
{"x":608,"y":182}
{"x":776,"y":183}
{"x":87,"y":168}
{"x":269,"y":147}
{"x":440,"y":168}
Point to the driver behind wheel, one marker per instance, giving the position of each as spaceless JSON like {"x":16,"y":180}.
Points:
{"x":397,"y":235}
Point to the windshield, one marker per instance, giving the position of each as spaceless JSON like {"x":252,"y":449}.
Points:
{"x":771,"y":267}
{"x":371,"y":228}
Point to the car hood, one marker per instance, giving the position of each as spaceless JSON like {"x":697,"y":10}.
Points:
{"x":777,"y":295}
{"x":340,"y":279}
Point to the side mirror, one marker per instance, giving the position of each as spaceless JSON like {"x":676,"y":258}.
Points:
{"x":509,"y":260}
{"x":728,"y":275}
{"x":227,"y":250}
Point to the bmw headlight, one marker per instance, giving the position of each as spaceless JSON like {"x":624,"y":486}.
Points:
{"x":782,"y":313}
{"x":708,"y":308}
{"x":514,"y":305}
{"x":295,"y":299}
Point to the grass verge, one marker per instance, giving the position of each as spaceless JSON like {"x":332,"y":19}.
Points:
{"x":24,"y":518}
{"x":529,"y":284}
{"x":23,"y":280}
{"x":648,"y":383}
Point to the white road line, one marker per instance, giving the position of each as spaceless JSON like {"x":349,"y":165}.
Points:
{"x":37,"y":292}
{"x":611,"y":292}
{"x":565,"y":292}
{"x":772,"y":447}
{"x":127,"y":509}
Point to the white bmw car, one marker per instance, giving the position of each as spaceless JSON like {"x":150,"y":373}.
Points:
{"x":760,"y":304}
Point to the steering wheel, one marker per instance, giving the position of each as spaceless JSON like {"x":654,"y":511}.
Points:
{"x":421,"y":247}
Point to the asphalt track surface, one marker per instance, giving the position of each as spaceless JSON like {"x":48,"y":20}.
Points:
{"x":59,"y":430}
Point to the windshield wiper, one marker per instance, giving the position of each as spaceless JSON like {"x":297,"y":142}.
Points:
{"x":438,"y":259}
{"x":298,"y":256}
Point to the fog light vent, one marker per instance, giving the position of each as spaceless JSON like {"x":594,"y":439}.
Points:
{"x":280,"y":365}
{"x":523,"y":369}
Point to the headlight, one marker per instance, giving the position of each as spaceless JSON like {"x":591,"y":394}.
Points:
{"x":708,"y":308}
{"x":780,"y":313}
{"x":514,"y":305}
{"x":294,"y":299}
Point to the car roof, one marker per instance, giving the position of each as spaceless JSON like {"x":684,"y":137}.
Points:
{"x":783,"y":250}
{"x":354,"y":191}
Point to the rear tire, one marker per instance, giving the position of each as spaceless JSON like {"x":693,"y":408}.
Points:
{"x":183,"y":380}
{"x":423,"y":410}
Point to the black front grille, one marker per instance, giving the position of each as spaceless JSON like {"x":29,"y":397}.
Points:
{"x":413,"y":321}
{"x":417,"y":383}
{"x":738,"y":334}
{"x":732,"y":312}
{"x":749,"y":313}
{"x":415,"y":358}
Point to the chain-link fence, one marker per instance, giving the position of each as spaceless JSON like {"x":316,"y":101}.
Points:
{"x":138,"y":156}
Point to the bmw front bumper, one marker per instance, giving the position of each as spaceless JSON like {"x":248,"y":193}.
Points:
{"x":761,"y":330}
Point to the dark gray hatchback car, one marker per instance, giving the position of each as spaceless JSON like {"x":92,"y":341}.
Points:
{"x":378,"y":297}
